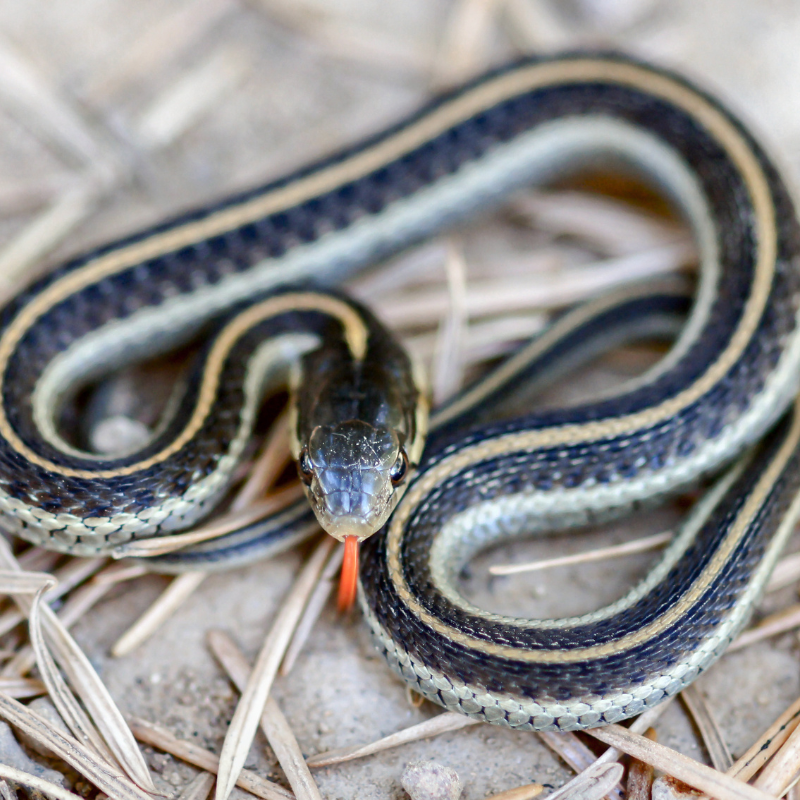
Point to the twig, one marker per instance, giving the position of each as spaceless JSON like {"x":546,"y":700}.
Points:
{"x":276,"y":728}
{"x":600,"y":554}
{"x":168,"y":602}
{"x":709,"y":729}
{"x":251,"y":703}
{"x":156,"y":736}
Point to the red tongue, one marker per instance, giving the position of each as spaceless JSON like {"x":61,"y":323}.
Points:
{"x":348,"y":580}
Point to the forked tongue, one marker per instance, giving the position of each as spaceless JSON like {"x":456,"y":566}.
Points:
{"x":348,"y":580}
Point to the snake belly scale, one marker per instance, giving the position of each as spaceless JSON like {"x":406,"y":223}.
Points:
{"x":728,"y":380}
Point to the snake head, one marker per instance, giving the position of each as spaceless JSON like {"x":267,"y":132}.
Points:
{"x":353,"y":473}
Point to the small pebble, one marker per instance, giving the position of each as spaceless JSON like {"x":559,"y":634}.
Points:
{"x":118,"y":435}
{"x":427,"y":780}
{"x":666,"y":788}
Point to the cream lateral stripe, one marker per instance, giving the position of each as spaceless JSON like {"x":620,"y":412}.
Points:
{"x":355,"y":333}
{"x":645,"y":634}
{"x":461,"y":108}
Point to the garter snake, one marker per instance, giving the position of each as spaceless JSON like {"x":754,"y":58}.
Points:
{"x":728,"y":380}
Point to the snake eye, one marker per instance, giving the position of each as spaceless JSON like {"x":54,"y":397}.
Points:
{"x":400,"y":469}
{"x":304,"y":467}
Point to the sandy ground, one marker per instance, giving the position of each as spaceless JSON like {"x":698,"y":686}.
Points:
{"x":114,"y":114}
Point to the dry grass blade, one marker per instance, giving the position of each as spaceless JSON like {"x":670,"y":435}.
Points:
{"x":767,"y":744}
{"x":267,"y":467}
{"x":780,"y":622}
{"x":158,"y":545}
{"x":707,"y":724}
{"x":593,"y":783}
{"x":484,"y":340}
{"x":43,"y":109}
{"x":12,"y":582}
{"x":75,"y":754}
{"x":87,"y":685}
{"x":569,"y":748}
{"x":706,"y":779}
{"x":319,"y":597}
{"x":464,"y":41}
{"x":786,"y":572}
{"x":199,"y":788}
{"x":575,"y":753}
{"x":611,"y":226}
{"x":21,"y":688}
{"x":781,"y":771}
{"x":168,"y":602}
{"x":351,"y":42}
{"x":75,"y":571}
{"x":534,"y":26}
{"x":187,"y":99}
{"x":97,"y":700}
{"x":64,"y":701}
{"x":41,"y":235}
{"x":156,"y":736}
{"x":251,"y":704}
{"x":276,"y":728}
{"x":448,"y":369}
{"x":76,"y":605}
{"x":118,"y":573}
{"x":527,"y":792}
{"x":31,"y":781}
{"x":600,"y":554}
{"x":510,"y":295}
{"x":172,"y":34}
{"x":442,"y":723}
{"x":37,"y":559}
{"x":6,"y":792}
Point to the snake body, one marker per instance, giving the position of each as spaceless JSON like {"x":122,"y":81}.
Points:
{"x":729,"y":378}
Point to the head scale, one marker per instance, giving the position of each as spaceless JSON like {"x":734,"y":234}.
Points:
{"x":353,"y":473}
